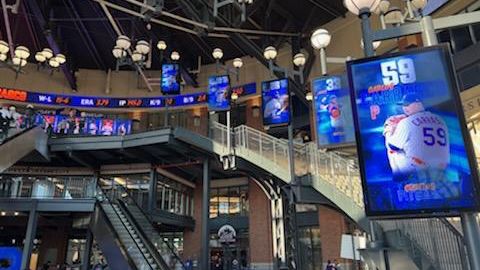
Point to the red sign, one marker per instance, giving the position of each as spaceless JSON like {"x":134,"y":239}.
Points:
{"x":11,"y":94}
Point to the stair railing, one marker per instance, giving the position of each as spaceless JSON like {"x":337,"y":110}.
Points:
{"x":112,"y":197}
{"x":442,"y":243}
{"x":342,"y":174}
{"x":129,"y":200}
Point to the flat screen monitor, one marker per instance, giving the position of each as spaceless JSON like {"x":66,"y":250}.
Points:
{"x":219,"y":93}
{"x":332,"y":112}
{"x":170,"y":84}
{"x":415,"y":154}
{"x":275,"y":102}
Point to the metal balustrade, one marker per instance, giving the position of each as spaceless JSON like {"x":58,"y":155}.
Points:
{"x":436,"y":239}
{"x":71,"y":187}
{"x":339,"y":179}
{"x":331,"y":174}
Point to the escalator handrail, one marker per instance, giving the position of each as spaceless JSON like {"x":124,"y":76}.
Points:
{"x":109,"y":200}
{"x":172,"y":251}
{"x":117,"y":237}
{"x":153,"y":250}
{"x":22,"y":131}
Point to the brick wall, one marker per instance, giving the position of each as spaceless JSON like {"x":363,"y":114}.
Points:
{"x":192,"y":238}
{"x":332,"y":226}
{"x":260,"y":226}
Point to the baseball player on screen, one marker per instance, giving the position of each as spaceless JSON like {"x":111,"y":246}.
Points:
{"x":416,"y":141}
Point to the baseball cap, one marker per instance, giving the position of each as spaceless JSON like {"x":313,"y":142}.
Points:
{"x":409,"y":99}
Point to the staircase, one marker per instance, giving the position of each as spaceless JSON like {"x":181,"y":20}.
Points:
{"x":429,"y":243}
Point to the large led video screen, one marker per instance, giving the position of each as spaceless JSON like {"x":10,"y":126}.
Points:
{"x":219,"y":93}
{"x":332,"y":111}
{"x":170,"y":84}
{"x":275,"y":102}
{"x":414,"y":151}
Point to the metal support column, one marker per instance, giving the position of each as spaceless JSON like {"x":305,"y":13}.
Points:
{"x":471,"y":230}
{"x":152,"y":190}
{"x":30,"y":236}
{"x":87,"y":251}
{"x":366,"y":33}
{"x":205,"y":239}
{"x":429,"y":37}
{"x":323,"y":61}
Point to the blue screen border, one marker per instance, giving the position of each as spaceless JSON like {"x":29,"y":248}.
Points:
{"x":289,"y":102}
{"x":444,"y":50}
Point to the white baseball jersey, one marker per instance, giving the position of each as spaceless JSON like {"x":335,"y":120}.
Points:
{"x":421,"y":142}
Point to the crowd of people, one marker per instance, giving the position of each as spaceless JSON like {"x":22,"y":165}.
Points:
{"x":13,"y":121}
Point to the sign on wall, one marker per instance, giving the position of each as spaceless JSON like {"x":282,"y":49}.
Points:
{"x":219,"y":93}
{"x":227,"y":234}
{"x":333,"y":112}
{"x":414,"y":151}
{"x":275,"y":102}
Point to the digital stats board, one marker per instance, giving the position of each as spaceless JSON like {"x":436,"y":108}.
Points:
{"x":170,"y":84}
{"x":63,"y":100}
{"x":219,"y":93}
{"x":275,"y":102}
{"x":414,"y":151}
{"x":333,"y":111}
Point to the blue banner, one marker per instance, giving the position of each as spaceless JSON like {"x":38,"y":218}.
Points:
{"x":412,"y":134}
{"x":219,"y":93}
{"x":275,"y":102}
{"x":333,"y":112}
{"x":116,"y":102}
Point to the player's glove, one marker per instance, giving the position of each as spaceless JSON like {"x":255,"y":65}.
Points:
{"x":391,"y":123}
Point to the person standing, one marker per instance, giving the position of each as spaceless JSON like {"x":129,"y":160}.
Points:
{"x":29,"y":118}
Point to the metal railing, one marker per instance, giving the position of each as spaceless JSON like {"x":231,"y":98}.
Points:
{"x":437,"y":240}
{"x":71,"y":187}
{"x":332,"y":174}
{"x":339,"y":179}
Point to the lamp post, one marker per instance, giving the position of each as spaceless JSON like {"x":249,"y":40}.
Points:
{"x":299,"y":59}
{"x":138,"y":56}
{"x":320,"y":39}
{"x":174,"y":56}
{"x":161,"y":46}
{"x":363,"y":9}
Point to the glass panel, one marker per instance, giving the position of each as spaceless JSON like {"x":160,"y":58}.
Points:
{"x":461,"y":37}
{"x":244,"y":200}
{"x":213,"y":203}
{"x":476,"y":31}
{"x":223,"y":201}
{"x":234,"y":200}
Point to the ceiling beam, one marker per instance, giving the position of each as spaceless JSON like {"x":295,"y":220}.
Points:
{"x":252,"y":48}
{"x":35,"y":9}
{"x":335,"y":13}
{"x":86,"y":35}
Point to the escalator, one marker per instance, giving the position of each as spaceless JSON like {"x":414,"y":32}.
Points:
{"x":22,"y":143}
{"x":128,"y":239}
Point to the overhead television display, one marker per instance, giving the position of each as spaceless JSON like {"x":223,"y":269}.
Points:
{"x":219,"y":93}
{"x":275,"y":102}
{"x":414,"y":151}
{"x":170,"y":84}
{"x":332,"y":111}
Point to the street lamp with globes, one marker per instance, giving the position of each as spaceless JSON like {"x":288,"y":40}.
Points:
{"x":363,"y":9}
{"x":320,"y":39}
